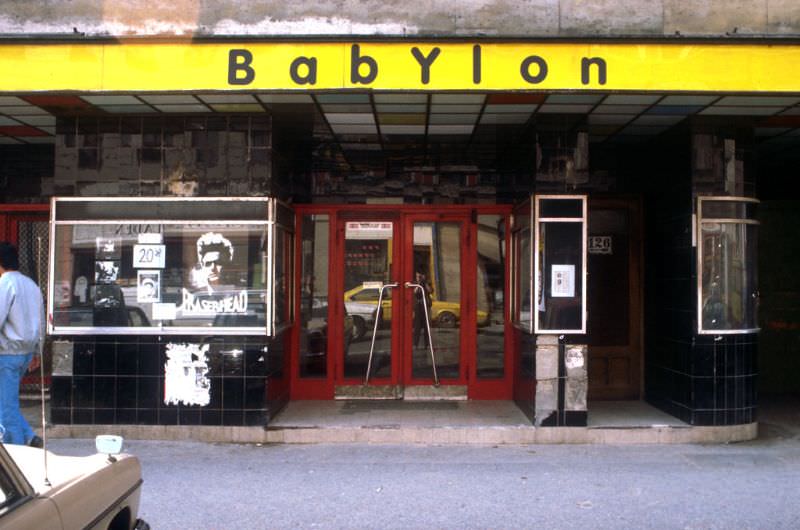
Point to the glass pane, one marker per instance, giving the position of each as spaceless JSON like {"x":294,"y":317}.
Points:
{"x":491,"y":295}
{"x":283,"y":276}
{"x":314,"y":296}
{"x":560,"y":208}
{"x":142,"y":275}
{"x":367,"y":267}
{"x":522,"y":272}
{"x":729,"y":210}
{"x":561,"y":270}
{"x":437,"y":267}
{"x":729,"y":290}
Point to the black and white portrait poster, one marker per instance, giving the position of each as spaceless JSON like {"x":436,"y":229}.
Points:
{"x":148,"y":286}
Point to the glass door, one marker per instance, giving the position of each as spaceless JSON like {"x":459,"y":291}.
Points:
{"x":404,"y":304}
{"x":369,"y":276}
{"x":437,"y":305}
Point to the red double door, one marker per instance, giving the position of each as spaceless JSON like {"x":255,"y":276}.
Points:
{"x":416,"y":305}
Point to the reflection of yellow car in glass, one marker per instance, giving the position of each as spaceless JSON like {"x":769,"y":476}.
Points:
{"x":361,"y":302}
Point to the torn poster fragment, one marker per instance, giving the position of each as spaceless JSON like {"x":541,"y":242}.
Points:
{"x":186,"y":378}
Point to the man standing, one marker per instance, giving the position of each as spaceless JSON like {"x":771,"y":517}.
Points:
{"x":21,"y":310}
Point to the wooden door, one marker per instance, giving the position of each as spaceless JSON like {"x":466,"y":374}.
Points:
{"x":614,"y":299}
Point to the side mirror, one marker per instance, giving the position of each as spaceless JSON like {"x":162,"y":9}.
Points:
{"x":108,"y":444}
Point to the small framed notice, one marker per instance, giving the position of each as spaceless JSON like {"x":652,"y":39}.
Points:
{"x":149,"y":256}
{"x":562,"y":281}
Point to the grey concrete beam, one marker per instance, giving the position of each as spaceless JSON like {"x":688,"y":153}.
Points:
{"x":715,"y":17}
{"x":470,"y":18}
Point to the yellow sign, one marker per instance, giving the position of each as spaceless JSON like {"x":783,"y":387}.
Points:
{"x":251,"y":66}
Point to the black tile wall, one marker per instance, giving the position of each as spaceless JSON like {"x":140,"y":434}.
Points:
{"x":120,"y":380}
{"x":701,"y":379}
{"x":525,"y":373}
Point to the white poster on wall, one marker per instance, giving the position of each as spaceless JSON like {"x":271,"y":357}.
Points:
{"x":562,"y":281}
{"x":186,"y":378}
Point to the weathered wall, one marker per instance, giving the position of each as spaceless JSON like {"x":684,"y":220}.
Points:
{"x":524,"y":18}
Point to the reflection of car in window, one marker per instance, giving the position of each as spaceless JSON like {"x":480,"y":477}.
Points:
{"x":88,"y":316}
{"x":361,"y":303}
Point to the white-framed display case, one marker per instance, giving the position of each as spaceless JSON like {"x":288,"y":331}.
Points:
{"x":727,"y":258}
{"x":166,"y":266}
{"x":559,"y":264}
{"x":549,"y":246}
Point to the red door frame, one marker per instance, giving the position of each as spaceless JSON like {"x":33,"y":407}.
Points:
{"x":323,"y":388}
{"x":12,"y":214}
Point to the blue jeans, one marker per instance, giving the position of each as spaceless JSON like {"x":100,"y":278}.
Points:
{"x":12,"y":368}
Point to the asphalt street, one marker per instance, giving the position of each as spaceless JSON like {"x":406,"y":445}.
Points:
{"x":227,"y":486}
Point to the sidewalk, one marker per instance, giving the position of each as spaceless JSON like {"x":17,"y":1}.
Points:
{"x":450,"y":422}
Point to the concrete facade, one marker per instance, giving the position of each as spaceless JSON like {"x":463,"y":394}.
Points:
{"x":440,"y":18}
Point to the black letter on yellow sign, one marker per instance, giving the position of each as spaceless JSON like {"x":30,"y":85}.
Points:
{"x":240,"y":61}
{"x":355,"y":63}
{"x":425,"y":62}
{"x":310,"y":78}
{"x":586,"y":63}
{"x":525,"y":69}
{"x":476,"y":64}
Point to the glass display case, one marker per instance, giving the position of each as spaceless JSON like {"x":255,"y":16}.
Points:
{"x":169,"y":266}
{"x":559,"y":260}
{"x":727,"y":297}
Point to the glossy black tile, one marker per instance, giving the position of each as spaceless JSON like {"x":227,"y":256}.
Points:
{"x":61,"y":392}
{"x":211,"y":417}
{"x":125,"y":417}
{"x":233,"y":417}
{"x":168,"y":416}
{"x":255,"y":418}
{"x":255,"y":393}
{"x":82,"y":416}
{"x":147,"y":416}
{"x":60,"y":416}
{"x":127,"y":359}
{"x":104,"y":416}
{"x":189,"y":416}
{"x":105,"y":359}
{"x":215,"y":393}
{"x":150,"y":360}
{"x":105,"y":392}
{"x":232,"y":393}
{"x":83,"y":392}
{"x":83,"y":359}
{"x":149,"y":392}
{"x":126,"y":392}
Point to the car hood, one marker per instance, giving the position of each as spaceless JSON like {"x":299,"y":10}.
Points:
{"x":60,"y":469}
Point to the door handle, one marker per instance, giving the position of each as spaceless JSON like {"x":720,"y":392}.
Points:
{"x":375,"y":327}
{"x":417,"y":286}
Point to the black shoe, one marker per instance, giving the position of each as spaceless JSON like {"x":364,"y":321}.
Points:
{"x":36,"y":442}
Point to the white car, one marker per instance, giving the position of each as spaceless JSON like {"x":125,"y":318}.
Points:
{"x":100,"y":491}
